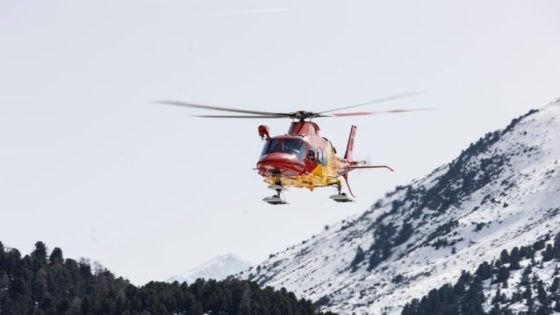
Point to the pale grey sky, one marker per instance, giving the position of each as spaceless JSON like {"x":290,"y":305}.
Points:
{"x":88,"y":163}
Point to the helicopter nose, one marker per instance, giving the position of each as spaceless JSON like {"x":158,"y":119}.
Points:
{"x":280,"y":164}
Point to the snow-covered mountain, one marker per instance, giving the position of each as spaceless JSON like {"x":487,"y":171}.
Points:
{"x":217,"y":268}
{"x":501,"y":192}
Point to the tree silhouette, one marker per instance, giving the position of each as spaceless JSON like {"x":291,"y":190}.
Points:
{"x":36,"y":285}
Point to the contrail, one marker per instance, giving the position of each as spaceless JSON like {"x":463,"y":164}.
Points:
{"x":243,"y":11}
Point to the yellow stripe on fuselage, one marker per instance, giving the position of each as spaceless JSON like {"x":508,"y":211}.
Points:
{"x":321,"y":176}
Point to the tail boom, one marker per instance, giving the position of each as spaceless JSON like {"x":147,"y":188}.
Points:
{"x":348,"y":164}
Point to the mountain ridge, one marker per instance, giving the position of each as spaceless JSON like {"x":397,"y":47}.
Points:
{"x":497,"y":194}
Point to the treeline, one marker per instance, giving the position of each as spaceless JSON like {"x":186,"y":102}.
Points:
{"x":43,"y":283}
{"x":531,"y":295}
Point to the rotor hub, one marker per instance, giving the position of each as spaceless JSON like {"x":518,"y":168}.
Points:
{"x":302,"y":114}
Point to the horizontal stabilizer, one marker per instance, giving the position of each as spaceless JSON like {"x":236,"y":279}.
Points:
{"x":370,"y":166}
{"x":342,"y":197}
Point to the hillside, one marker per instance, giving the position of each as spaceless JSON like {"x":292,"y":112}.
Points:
{"x":501,"y":192}
{"x":42,"y":283}
{"x":524,"y":280}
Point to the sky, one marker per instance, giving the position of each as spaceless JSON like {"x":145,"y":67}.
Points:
{"x":89,"y":163}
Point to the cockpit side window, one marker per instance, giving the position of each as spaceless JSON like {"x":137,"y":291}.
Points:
{"x":322,"y":157}
{"x":311,"y":153}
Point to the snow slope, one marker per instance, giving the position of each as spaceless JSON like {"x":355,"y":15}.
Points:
{"x":532,"y":272}
{"x":525,"y":280}
{"x":217,"y":268}
{"x":501,"y":192}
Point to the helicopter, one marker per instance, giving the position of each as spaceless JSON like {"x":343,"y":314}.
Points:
{"x":302,"y":158}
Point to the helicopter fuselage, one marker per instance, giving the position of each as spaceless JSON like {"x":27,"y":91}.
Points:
{"x":301,"y":158}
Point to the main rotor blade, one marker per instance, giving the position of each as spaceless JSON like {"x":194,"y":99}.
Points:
{"x":239,"y":116}
{"x":225,"y":109}
{"x":389,"y":111}
{"x":379,"y":100}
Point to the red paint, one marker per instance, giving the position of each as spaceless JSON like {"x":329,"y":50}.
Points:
{"x":278,"y":163}
{"x":307,"y":128}
{"x":284,"y":164}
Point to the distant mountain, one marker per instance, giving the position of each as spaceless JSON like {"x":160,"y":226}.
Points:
{"x":43,"y":283}
{"x":500,"y":193}
{"x":217,"y":268}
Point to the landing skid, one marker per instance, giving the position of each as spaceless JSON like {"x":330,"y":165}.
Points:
{"x":277,"y":198}
{"x":341,"y":197}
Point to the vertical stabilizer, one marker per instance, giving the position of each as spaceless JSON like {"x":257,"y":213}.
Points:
{"x":350,"y":145}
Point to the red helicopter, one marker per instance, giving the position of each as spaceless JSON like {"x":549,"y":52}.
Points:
{"x":302,"y":158}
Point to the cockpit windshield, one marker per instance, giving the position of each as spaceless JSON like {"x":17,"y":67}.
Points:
{"x":290,"y":146}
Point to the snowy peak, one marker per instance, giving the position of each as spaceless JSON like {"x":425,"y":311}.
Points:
{"x":217,"y":268}
{"x":502,"y":191}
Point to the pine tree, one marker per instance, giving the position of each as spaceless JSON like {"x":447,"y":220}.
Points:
{"x":484,"y":271}
{"x":548,"y":253}
{"x":497,"y":298}
{"x":514,"y":259}
{"x":358,"y":258}
{"x":504,"y":257}
{"x":474,"y":298}
{"x":555,"y":285}
{"x":528,"y":296}
{"x":525,"y":277}
{"x":495,"y":310}
{"x":462,"y":283}
{"x":557,"y":246}
{"x":502,"y":274}
{"x":39,"y":255}
{"x":404,"y":234}
{"x":56,"y":256}
{"x":543,"y":298}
